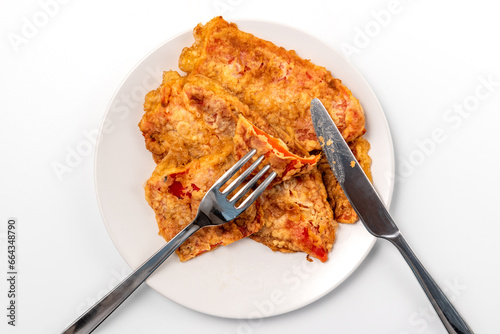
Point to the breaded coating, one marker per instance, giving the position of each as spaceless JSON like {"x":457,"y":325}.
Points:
{"x":275,"y":83}
{"x":192,"y":117}
{"x":240,"y":93}
{"x":297,"y":217}
{"x":193,"y":158}
{"x":175,"y":193}
{"x":188,"y":118}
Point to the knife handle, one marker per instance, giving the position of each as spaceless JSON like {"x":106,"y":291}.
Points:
{"x":452,"y":320}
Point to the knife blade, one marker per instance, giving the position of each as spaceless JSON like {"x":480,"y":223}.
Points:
{"x":351,"y":177}
{"x":374,"y":215}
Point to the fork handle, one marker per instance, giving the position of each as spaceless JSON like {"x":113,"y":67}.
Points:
{"x":94,"y":316}
{"x":452,"y":321}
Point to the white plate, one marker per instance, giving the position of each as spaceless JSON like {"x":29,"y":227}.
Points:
{"x":245,"y":279}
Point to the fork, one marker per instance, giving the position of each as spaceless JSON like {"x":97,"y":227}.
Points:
{"x":215,"y":209}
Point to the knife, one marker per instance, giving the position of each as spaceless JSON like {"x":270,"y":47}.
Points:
{"x":372,"y":212}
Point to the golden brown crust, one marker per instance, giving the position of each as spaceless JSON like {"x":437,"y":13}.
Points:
{"x":193,"y":116}
{"x":191,"y":161}
{"x":296,"y":217}
{"x":273,"y":82}
{"x":187,"y":116}
{"x":242,"y":92}
{"x":175,"y":193}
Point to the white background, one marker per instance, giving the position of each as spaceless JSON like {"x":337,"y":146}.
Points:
{"x":61,"y":61}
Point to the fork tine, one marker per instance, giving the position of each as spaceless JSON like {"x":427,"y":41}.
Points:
{"x":242,"y":177}
{"x":216,"y":209}
{"x":231,"y":171}
{"x":249,"y":185}
{"x":257,"y":192}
